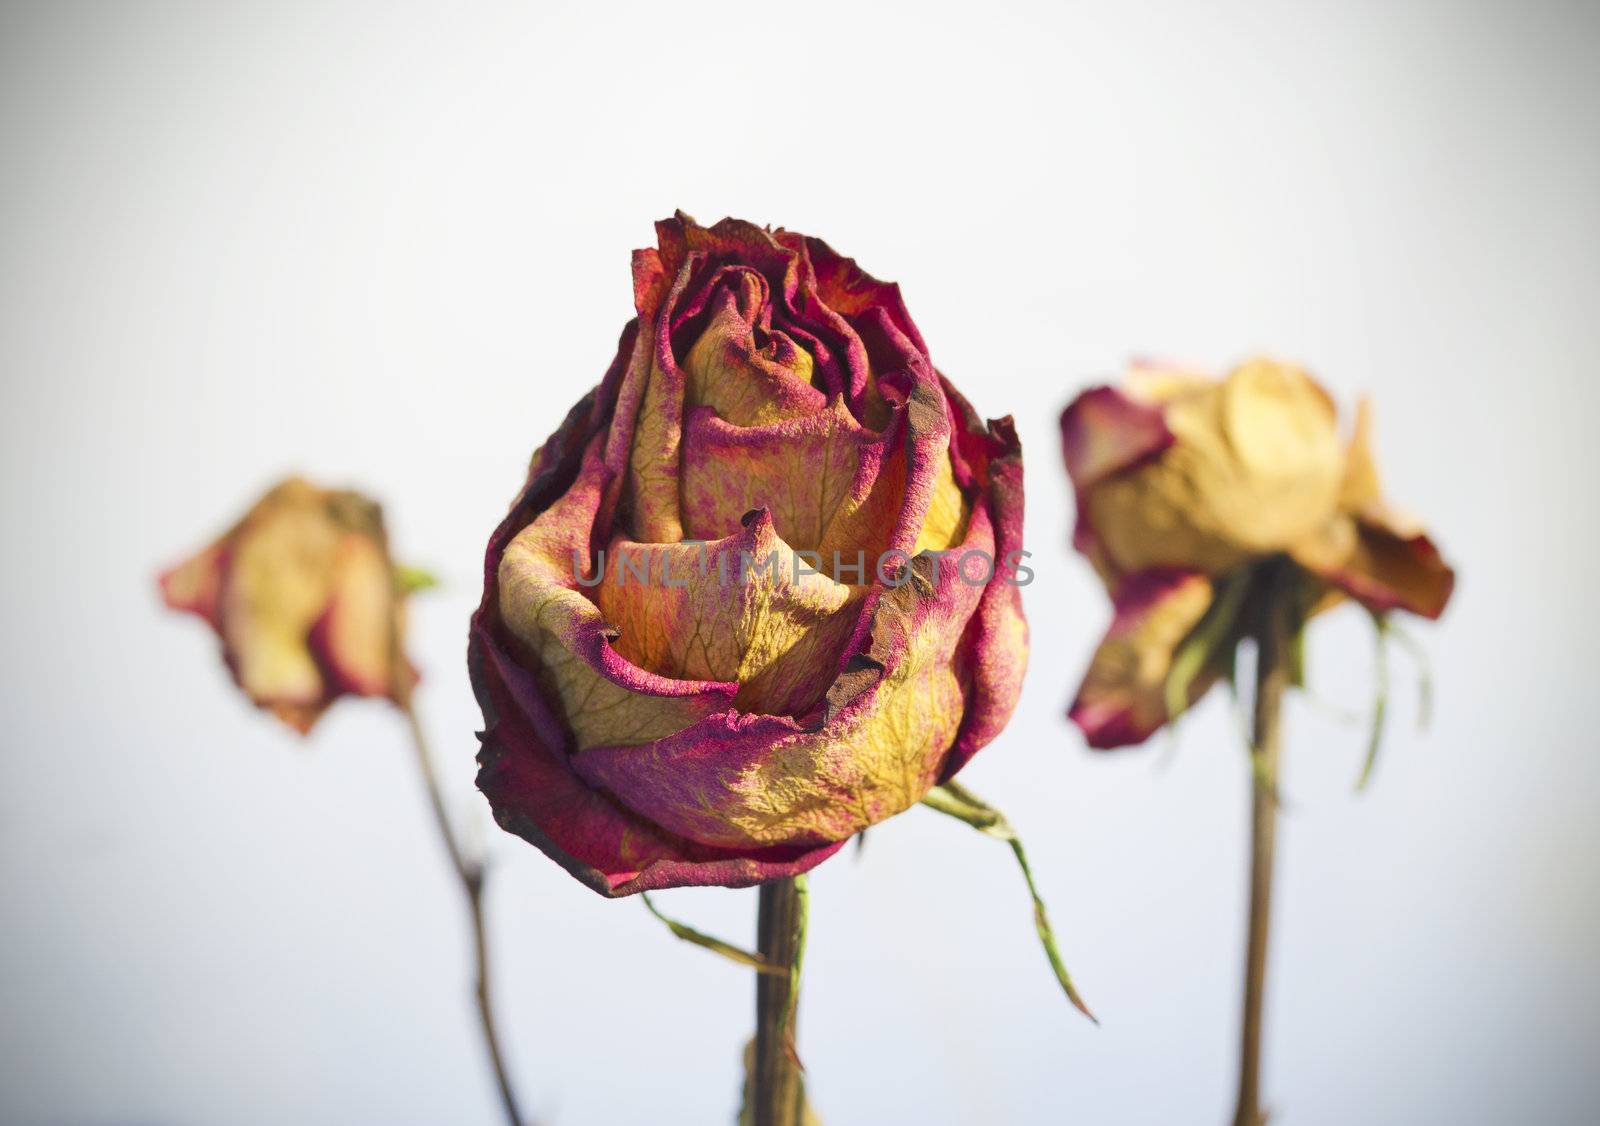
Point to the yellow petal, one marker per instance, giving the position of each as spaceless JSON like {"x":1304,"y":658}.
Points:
{"x":748,"y":610}
{"x":1360,"y":487}
{"x":1123,"y":696}
{"x":1157,"y":383}
{"x":653,"y":442}
{"x":278,"y":585}
{"x":603,"y":698}
{"x":748,"y":382}
{"x":876,"y":748}
{"x":831,"y":485}
{"x":1255,"y":467}
{"x":361,"y":630}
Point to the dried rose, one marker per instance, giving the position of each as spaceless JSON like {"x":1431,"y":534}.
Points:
{"x":305,"y":599}
{"x":1185,"y":486}
{"x":715,"y":639}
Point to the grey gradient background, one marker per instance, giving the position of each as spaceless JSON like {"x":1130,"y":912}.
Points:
{"x":388,"y":245}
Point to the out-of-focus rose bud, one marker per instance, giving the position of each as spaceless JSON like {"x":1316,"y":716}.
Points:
{"x":662,"y":711}
{"x":305,"y":599}
{"x":1185,"y":484}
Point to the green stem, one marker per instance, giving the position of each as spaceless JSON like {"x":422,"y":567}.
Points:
{"x":775,"y":1090}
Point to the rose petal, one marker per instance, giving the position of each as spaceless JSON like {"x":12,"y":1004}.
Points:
{"x":648,"y":435}
{"x":1123,"y":696}
{"x":743,"y":381}
{"x":891,"y":717}
{"x":748,"y":610}
{"x":1104,"y":431}
{"x":523,"y":763}
{"x":605,"y":698}
{"x":355,"y":640}
{"x":1360,"y":488}
{"x":814,"y":474}
{"x":994,"y":651}
{"x":1372,"y":552}
{"x":1254,"y":467}
{"x":523,"y":772}
{"x":276,"y":587}
{"x":1160,"y":381}
{"x":195,"y":585}
{"x":1382,"y":560}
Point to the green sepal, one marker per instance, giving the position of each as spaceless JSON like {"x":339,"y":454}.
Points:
{"x":1304,"y":593}
{"x":1419,"y":657}
{"x":1380,"y":696}
{"x":955,"y":800}
{"x":1206,"y":644}
{"x":409,"y":580}
{"x":1297,"y":655}
{"x":715,"y":945}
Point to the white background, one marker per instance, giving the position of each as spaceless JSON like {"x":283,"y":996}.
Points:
{"x":389,"y":247}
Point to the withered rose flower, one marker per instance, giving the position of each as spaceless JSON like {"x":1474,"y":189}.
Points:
{"x":304,"y":597}
{"x":1187,"y":484}
{"x":716,"y":638}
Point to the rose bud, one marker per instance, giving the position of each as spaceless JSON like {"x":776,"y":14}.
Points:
{"x":1185,"y":485}
{"x":715,"y":639}
{"x":305,"y":599}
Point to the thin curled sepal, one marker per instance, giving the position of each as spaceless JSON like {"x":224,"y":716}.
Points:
{"x":955,"y":800}
{"x":1419,"y":657}
{"x":1380,"y":697}
{"x":1210,"y":643}
{"x":409,"y":580}
{"x":1385,"y":630}
{"x":729,"y":951}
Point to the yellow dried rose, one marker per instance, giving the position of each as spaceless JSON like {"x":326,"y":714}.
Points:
{"x":304,"y":597}
{"x":1186,"y":485}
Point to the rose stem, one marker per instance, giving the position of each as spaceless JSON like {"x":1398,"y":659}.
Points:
{"x":470,"y":873}
{"x":776,"y":1098}
{"x":1274,"y":637}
